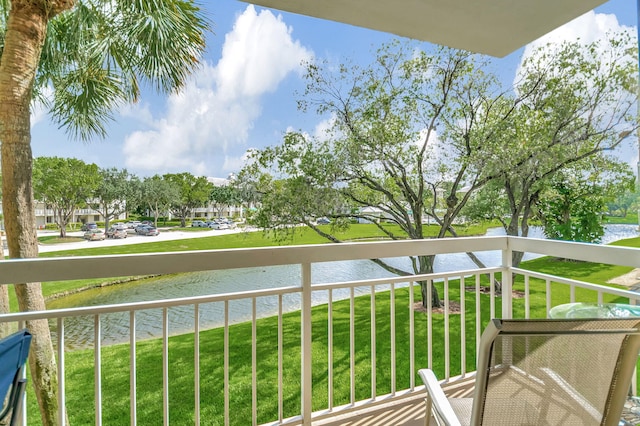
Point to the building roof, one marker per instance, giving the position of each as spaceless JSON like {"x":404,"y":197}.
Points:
{"x":493,"y":27}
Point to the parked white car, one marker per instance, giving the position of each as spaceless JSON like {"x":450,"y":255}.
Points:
{"x":217,"y":225}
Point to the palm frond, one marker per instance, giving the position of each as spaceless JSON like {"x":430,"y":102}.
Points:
{"x":97,"y":56}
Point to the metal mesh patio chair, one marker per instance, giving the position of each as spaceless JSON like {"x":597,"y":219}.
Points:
{"x":14,"y":351}
{"x":545,"y":372}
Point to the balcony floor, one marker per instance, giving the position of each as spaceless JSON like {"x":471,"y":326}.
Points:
{"x":406,"y":412}
{"x":410,"y":411}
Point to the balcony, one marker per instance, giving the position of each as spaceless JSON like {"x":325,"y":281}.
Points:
{"x":323,"y":352}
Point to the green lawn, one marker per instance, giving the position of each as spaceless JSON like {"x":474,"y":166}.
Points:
{"x":630,"y":218}
{"x":115,"y":359}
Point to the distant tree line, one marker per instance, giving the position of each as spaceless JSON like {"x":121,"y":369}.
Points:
{"x":67,"y":184}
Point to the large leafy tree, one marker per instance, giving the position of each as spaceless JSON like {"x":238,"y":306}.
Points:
{"x":158,"y":195}
{"x":111,"y":195}
{"x":223,"y":196}
{"x":581,"y":106}
{"x":63,"y":185}
{"x":403,"y":144}
{"x":92,"y":56}
{"x":193,"y":192}
{"x":572,"y":206}
{"x":623,"y":202}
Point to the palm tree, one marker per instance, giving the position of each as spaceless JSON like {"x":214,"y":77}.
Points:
{"x":82,"y":59}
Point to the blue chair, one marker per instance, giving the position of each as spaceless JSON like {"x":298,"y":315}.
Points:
{"x":14,"y":351}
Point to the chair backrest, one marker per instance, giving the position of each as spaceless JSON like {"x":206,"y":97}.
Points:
{"x":14,"y":351}
{"x":555,"y":371}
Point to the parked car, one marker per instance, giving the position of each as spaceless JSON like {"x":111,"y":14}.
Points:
{"x":216,"y":225}
{"x":198,"y":224}
{"x":117,"y":231}
{"x":88,"y":226}
{"x":227,"y":221}
{"x":139,"y":229}
{"x":323,"y":221}
{"x":94,"y":235}
{"x":132,"y":224}
{"x":147,"y":230}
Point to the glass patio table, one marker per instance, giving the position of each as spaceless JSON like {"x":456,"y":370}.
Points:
{"x":631,"y":411}
{"x":594,"y":310}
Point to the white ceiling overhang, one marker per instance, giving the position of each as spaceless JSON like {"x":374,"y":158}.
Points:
{"x":493,"y":27}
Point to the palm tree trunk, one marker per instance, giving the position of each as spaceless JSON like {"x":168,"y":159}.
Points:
{"x":24,"y":38}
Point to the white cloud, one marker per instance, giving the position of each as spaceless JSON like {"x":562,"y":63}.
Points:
{"x":325,"y":129}
{"x":218,"y":106}
{"x":234,"y":163}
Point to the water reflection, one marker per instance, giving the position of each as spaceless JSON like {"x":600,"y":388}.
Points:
{"x":79,"y":331}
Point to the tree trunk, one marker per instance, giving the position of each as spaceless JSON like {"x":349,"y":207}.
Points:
{"x":24,"y":37}
{"x":425,"y":264}
{"x":62,"y":224}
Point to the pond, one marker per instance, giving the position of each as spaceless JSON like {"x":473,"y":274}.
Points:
{"x":115,"y":327}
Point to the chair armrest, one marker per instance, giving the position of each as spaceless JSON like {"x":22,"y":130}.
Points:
{"x":440,"y":404}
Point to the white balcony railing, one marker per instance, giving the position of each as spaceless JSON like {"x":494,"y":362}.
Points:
{"x":364,"y":352}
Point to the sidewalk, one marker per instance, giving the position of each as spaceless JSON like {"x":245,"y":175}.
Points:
{"x":133,"y":238}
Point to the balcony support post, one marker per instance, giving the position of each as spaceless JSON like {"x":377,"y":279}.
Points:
{"x":507,"y":281}
{"x":306,"y":370}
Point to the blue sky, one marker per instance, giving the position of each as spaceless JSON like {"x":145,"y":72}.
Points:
{"x":243,"y":96}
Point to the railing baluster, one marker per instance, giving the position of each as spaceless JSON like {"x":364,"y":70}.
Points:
{"x":492,"y":295}
{"x":330,"y":347}
{"x":307,"y":370}
{"x":62,"y":403}
{"x":507,"y":284}
{"x":165,"y":366}
{"x":226,"y":363}
{"x":412,"y":330}
{"x":548,"y":284}
{"x":527,"y":301}
{"x":478,"y":314}
{"x":196,"y":361}
{"x":97,"y":355}
{"x":600,"y":298}
{"x":373,"y":342}
{"x":280,"y":361}
{"x":352,"y":347}
{"x":447,"y":355}
{"x":429,"y":323}
{"x":132,"y":369}
{"x":254,"y":362}
{"x":572,"y":293}
{"x":463,"y":329}
{"x":393,"y":338}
